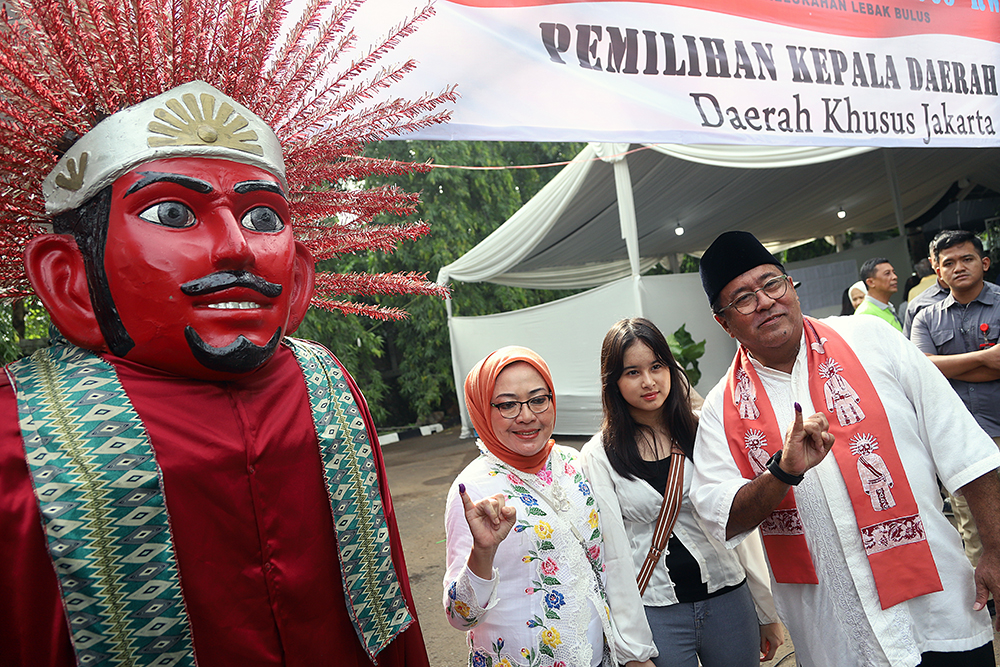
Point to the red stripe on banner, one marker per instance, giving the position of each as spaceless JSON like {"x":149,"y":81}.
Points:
{"x":979,"y":19}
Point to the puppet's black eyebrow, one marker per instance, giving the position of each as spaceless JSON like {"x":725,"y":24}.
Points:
{"x":251,"y":186}
{"x":151,"y":177}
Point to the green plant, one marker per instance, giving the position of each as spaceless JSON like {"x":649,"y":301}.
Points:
{"x":686,"y":352}
{"x":9,"y":351}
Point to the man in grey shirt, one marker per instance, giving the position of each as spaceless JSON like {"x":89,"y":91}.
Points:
{"x":936,"y":292}
{"x":959,"y":333}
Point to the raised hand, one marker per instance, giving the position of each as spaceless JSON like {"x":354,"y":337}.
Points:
{"x":807,"y":442}
{"x":490,"y":521}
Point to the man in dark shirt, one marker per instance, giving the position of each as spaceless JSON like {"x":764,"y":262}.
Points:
{"x":959,"y":334}
{"x":937,"y":291}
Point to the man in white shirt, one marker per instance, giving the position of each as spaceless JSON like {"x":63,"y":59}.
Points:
{"x":842,"y":601}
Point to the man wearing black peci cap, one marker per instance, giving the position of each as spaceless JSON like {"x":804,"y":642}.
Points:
{"x":865,"y":569}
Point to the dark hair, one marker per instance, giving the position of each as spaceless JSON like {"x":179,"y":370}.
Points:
{"x":910,"y":283}
{"x":846,"y":305}
{"x":618,"y":429}
{"x":932,"y":251}
{"x":868,"y":268}
{"x":89,"y":226}
{"x":953,"y":237}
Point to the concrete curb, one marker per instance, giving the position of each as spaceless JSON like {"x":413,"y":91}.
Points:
{"x":384,"y":440}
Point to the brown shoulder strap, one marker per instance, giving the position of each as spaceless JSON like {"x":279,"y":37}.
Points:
{"x":668,"y":517}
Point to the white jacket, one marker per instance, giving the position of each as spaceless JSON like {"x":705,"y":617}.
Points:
{"x":629,"y":509}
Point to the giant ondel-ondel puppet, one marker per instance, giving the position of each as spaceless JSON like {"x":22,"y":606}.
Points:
{"x":182,"y":483}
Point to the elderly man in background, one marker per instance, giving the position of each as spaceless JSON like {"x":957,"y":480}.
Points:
{"x":865,"y":568}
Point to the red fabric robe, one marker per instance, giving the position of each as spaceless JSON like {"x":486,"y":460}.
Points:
{"x":250,"y":518}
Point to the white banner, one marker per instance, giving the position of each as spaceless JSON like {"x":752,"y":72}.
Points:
{"x":781,"y":72}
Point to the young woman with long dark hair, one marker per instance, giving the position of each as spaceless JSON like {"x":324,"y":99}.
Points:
{"x":697,"y":603}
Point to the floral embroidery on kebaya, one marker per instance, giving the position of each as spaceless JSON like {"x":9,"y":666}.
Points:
{"x":554,"y":582}
{"x":543,"y":530}
{"x":460,"y":609}
{"x":550,"y":637}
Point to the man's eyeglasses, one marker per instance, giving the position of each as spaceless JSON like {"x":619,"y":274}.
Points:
{"x":747,"y":302}
{"x":511,"y":409}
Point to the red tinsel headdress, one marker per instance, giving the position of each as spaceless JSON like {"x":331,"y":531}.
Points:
{"x":65,"y":65}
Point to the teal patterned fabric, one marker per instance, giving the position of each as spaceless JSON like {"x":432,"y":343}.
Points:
{"x":100,"y":493}
{"x":374,"y":598}
{"x":101,"y":498}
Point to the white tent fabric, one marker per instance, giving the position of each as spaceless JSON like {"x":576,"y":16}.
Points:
{"x":757,"y":157}
{"x":578,"y":231}
{"x":593,"y":224}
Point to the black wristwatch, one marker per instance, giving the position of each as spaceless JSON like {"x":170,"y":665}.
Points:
{"x":783,"y":477}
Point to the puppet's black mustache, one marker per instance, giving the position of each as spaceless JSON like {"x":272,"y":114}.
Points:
{"x":221,"y":280}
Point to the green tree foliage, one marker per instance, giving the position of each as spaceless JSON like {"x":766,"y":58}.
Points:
{"x":9,"y":351}
{"x":35,"y":323}
{"x":404,"y":368}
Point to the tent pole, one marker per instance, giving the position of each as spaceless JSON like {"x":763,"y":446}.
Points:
{"x":626,"y":204}
{"x":638,"y":308}
{"x":626,"y":219}
{"x":897,"y":202}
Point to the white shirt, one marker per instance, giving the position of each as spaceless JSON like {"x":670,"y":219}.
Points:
{"x":543,"y":599}
{"x":840,"y":623}
{"x":629,"y":511}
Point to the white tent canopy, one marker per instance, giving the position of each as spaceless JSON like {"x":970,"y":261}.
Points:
{"x":607,"y":215}
{"x":611,"y":215}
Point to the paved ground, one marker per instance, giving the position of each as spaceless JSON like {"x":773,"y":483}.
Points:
{"x":421,"y":471}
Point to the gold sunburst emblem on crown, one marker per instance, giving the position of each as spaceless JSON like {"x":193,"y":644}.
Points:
{"x":194,"y":124}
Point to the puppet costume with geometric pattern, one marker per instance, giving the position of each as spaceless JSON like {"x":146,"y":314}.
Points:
{"x":256,"y":588}
{"x":183,"y":484}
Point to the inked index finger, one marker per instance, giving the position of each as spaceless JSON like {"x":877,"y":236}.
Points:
{"x":797,"y":423}
{"x":466,"y":500}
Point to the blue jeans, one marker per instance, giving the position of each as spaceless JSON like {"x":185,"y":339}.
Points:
{"x":722,"y":631}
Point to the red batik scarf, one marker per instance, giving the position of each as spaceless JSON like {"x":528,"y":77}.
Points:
{"x":892,"y":532}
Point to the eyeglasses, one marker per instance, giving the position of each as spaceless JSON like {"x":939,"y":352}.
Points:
{"x":747,"y":302}
{"x":511,"y":409}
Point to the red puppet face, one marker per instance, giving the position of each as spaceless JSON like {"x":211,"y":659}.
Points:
{"x":202,"y":267}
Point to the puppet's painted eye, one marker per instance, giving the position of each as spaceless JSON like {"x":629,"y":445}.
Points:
{"x":169,"y":214}
{"x":262,"y":219}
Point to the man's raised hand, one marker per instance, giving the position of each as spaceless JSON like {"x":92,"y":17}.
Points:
{"x":807,"y":442}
